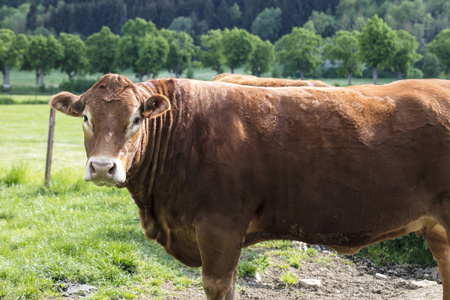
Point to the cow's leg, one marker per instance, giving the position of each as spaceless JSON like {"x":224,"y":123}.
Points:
{"x":220,"y":250}
{"x":438,"y":244}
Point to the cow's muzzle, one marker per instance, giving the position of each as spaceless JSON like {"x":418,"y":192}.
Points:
{"x":104,"y":171}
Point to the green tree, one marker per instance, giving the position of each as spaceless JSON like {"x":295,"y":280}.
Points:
{"x":324,"y":25}
{"x":181,"y":50}
{"x":10,"y":53}
{"x":212,"y":56}
{"x":409,"y":15}
{"x":101,"y":51}
{"x":345,"y":50}
{"x":235,"y":14}
{"x":298,"y":51}
{"x":349,"y":13}
{"x":74,"y":59}
{"x":134,"y":32}
{"x":152,"y":55}
{"x":182,"y":24}
{"x":236,"y":47}
{"x":267,"y":24}
{"x":138,"y":27}
{"x":223,"y":16}
{"x":405,"y":55}
{"x":42,"y":55}
{"x":431,"y":66}
{"x":440,"y":47}
{"x":16,"y":18}
{"x":377,"y":45}
{"x":261,"y":57}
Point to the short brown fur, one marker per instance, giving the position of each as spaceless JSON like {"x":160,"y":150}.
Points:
{"x":266,"y":82}
{"x":230,"y":165}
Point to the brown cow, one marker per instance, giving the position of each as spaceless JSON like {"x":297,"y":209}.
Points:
{"x":214,"y":167}
{"x":266,"y":82}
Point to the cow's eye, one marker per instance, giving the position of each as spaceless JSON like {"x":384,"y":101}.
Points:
{"x":136,"y":121}
{"x":85,"y":118}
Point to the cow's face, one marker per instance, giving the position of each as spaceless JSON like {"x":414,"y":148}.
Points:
{"x":113,"y":113}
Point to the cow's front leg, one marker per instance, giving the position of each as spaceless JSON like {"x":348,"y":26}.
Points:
{"x":220,"y":250}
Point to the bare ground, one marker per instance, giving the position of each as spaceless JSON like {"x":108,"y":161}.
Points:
{"x":340,"y":278}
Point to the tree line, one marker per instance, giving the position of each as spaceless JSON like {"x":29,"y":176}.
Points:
{"x":270,"y":19}
{"x":147,"y":51}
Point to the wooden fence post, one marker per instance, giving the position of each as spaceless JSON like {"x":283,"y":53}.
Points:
{"x":51,"y":130}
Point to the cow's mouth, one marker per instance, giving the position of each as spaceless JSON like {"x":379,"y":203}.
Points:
{"x":104,"y":183}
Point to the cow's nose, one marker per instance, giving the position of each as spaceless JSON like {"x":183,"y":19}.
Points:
{"x":104,"y":171}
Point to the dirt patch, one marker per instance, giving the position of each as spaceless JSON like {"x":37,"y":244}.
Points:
{"x":340,"y":277}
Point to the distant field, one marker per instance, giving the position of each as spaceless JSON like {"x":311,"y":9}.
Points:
{"x":22,"y":78}
{"x":24,"y":138}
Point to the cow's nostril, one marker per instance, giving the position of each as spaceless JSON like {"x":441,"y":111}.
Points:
{"x":112,"y":170}
{"x":92,"y":168}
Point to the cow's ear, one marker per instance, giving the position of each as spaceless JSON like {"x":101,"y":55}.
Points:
{"x":67,"y":103}
{"x":156,"y":105}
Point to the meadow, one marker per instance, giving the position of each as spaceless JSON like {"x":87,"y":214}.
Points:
{"x":75,"y":232}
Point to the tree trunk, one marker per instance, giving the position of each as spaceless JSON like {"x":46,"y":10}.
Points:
{"x":302,"y":75}
{"x":149,"y":76}
{"x":448,"y":74}
{"x":6,"y":77}
{"x":218,"y":69}
{"x":374,"y":74}
{"x":140,"y":76}
{"x":232,"y":70}
{"x":37,"y":77}
{"x":399,"y":75}
{"x":349,"y":78}
{"x":41,"y":76}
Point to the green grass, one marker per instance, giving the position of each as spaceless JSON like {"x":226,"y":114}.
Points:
{"x":288,"y":278}
{"x":406,"y":249}
{"x":25,"y":99}
{"x":252,"y":262}
{"x":76,"y":232}
{"x":24,"y":139}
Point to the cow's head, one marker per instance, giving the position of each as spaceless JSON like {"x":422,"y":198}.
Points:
{"x":114,"y":112}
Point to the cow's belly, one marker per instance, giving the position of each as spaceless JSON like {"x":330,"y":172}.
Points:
{"x":345,"y":242}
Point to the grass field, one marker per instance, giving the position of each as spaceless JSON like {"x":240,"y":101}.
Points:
{"x":72,"y":231}
{"x":24,"y":138}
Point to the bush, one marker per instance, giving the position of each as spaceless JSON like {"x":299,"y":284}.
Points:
{"x":7,"y":100}
{"x":11,"y":101}
{"x":415,"y":74}
{"x":431,"y":66}
{"x":190,"y":72}
{"x":252,"y":262}
{"x":406,"y":249}
{"x":78,"y":86}
{"x":17,"y":175}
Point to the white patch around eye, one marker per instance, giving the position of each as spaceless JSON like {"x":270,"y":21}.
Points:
{"x":87,"y":125}
{"x":133,"y":127}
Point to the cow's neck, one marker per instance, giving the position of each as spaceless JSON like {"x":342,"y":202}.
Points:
{"x":150,"y":159}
